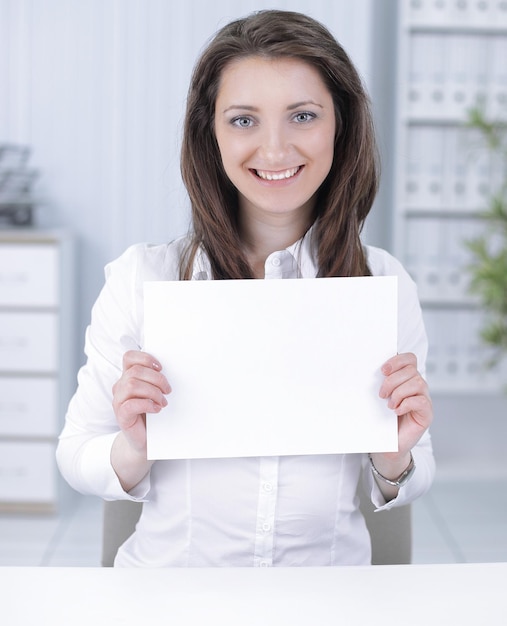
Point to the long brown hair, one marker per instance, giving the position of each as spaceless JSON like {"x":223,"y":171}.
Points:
{"x":345,"y":197}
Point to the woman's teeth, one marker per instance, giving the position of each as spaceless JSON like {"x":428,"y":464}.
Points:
{"x":278,"y":175}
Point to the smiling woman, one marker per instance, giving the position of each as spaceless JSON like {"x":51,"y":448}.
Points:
{"x":280,"y":164}
{"x":277,"y":147}
{"x":279,"y":50}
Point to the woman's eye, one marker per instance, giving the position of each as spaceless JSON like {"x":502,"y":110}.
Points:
{"x":304,"y":116}
{"x":242,"y":122}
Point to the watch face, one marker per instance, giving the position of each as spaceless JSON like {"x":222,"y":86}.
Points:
{"x":407,"y":474}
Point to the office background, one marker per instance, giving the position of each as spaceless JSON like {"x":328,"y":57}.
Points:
{"x":96,"y":89}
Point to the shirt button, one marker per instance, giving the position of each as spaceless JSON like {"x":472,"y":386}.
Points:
{"x":266,"y":527}
{"x":275,"y":261}
{"x":268,"y":487}
{"x":265,"y":564}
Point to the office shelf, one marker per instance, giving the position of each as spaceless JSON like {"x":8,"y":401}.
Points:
{"x":451,"y":57}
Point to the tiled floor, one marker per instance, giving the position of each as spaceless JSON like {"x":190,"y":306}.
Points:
{"x":456,"y":521}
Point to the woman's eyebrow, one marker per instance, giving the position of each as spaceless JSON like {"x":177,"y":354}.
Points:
{"x":303,"y":103}
{"x":290,"y":107}
{"x":242,"y":107}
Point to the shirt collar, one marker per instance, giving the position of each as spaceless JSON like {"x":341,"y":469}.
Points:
{"x":299,"y":260}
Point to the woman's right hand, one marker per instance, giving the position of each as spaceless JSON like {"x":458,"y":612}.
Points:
{"x":141,"y":389}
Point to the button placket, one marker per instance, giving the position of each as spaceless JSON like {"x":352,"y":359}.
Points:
{"x":280,"y":265}
{"x":264,"y":539}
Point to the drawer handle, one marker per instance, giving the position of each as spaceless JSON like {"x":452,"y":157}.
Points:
{"x":13,"y":279}
{"x":8,"y":343}
{"x":12,"y":408}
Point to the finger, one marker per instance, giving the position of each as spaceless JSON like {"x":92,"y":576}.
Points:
{"x":397,"y":370}
{"x":147,"y":375}
{"x":128,"y":412}
{"x":403,"y":385}
{"x":135,"y":388}
{"x":397,"y":379}
{"x":398,"y":362}
{"x":419,"y":409}
{"x":137,"y":357}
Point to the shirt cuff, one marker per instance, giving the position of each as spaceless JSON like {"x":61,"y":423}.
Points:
{"x":418,"y":484}
{"x":95,"y":464}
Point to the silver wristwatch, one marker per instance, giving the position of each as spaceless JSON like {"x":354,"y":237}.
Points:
{"x":402,"y":479}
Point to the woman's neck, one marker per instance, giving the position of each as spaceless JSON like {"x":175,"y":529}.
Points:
{"x":261,"y":237}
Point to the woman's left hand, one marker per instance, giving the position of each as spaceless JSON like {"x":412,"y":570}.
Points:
{"x":408,"y":395}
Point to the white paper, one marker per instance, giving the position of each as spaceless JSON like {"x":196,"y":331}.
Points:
{"x":271,"y":367}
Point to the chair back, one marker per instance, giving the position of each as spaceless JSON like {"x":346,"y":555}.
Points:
{"x":119,"y":522}
{"x":390,"y":532}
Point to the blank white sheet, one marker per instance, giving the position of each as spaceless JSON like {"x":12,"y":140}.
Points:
{"x":271,"y":367}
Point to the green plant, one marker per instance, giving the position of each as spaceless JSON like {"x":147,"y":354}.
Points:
{"x":488,"y":266}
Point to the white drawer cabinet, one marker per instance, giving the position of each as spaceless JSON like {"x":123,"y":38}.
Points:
{"x":29,"y":407}
{"x":27,"y":473}
{"x":29,"y":274}
{"x":29,"y":342}
{"x":37,"y":367}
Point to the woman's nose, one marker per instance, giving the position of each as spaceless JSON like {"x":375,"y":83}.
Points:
{"x":274,"y":144}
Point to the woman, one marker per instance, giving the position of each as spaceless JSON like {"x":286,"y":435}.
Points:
{"x":279,"y":161}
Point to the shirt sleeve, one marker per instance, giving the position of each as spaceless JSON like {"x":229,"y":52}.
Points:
{"x":411,"y":338}
{"x":418,"y":484}
{"x":84,"y":447}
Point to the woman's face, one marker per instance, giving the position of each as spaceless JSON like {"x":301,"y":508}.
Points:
{"x":275,"y":127}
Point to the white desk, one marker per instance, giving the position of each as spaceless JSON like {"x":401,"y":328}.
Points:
{"x":411,"y":595}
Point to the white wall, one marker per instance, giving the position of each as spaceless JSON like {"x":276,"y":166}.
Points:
{"x":97,"y":88}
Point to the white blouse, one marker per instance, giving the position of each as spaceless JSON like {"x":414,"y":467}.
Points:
{"x":268,"y":511}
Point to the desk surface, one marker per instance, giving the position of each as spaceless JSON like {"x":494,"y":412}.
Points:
{"x":406,"y":594}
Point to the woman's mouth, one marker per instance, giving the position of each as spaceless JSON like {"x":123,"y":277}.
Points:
{"x":281,"y":175}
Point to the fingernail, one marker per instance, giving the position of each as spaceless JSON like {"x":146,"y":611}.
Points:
{"x":387,"y":369}
{"x":156,"y":366}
